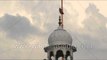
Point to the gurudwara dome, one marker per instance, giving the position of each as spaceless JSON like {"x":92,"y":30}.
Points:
{"x":60,"y":42}
{"x":59,"y":36}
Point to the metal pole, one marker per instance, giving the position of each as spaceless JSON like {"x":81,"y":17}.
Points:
{"x":62,"y":11}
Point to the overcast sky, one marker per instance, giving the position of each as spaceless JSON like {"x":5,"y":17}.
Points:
{"x":26,"y":25}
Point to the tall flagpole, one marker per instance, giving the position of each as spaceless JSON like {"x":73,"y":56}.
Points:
{"x":62,"y":13}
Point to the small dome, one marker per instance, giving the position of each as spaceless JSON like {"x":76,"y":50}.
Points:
{"x":59,"y":36}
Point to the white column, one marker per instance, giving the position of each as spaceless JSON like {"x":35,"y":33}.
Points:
{"x":71,"y":55}
{"x":48,"y":56}
{"x":64,"y":53}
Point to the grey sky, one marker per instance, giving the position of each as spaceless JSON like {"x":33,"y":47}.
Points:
{"x":26,"y":25}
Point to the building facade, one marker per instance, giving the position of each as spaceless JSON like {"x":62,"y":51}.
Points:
{"x":60,"y":45}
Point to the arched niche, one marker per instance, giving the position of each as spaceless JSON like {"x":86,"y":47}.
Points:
{"x":51,"y":55}
{"x":59,"y":55}
{"x":68,"y":55}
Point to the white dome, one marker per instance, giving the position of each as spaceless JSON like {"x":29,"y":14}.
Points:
{"x":60,"y":36}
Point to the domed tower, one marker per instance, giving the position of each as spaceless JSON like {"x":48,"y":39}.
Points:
{"x":60,"y":42}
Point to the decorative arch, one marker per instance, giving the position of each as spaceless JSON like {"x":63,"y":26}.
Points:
{"x":68,"y":55}
{"x":51,"y":55}
{"x":59,"y":54}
